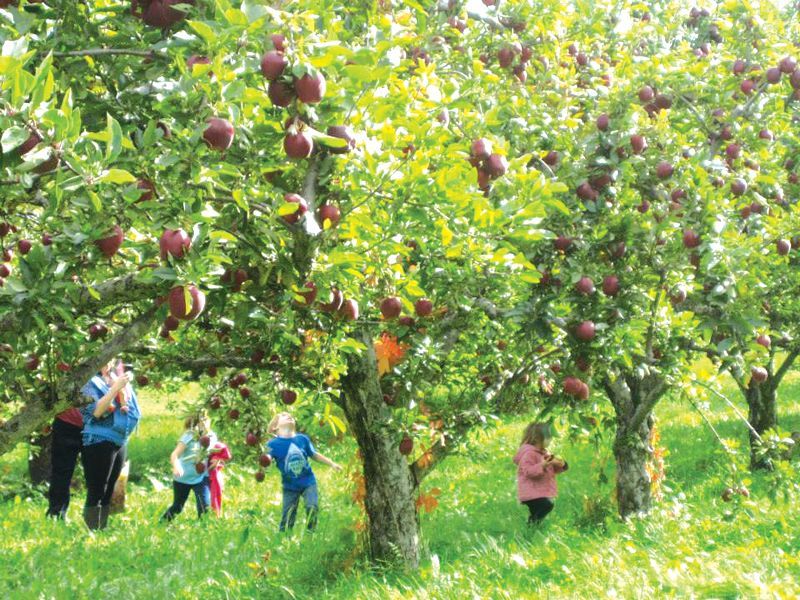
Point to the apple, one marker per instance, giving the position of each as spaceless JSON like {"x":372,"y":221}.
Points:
{"x":423,"y":307}
{"x":572,"y":386}
{"x":5,"y":228}
{"x":764,"y":340}
{"x":678,"y":297}
{"x":280,"y":93}
{"x":505,"y":56}
{"x":646,"y":94}
{"x":5,"y":270}
{"x":406,"y":446}
{"x":298,"y":145}
{"x":212,"y":371}
{"x":691,"y":239}
{"x":349,"y":310}
{"x":551,"y":158}
{"x":24,"y":246}
{"x":205,"y":441}
{"x":610,"y":285}
{"x":583,"y":394}
{"x":662,"y":102}
{"x":32,"y":363}
{"x":278,"y":42}
{"x":174,"y":242}
{"x":251,"y":439}
{"x":200,"y":467}
{"x":562,"y":243}
{"x":110,"y":244}
{"x":328,"y":213}
{"x":747,"y":86}
{"x":743,"y":491}
{"x":345,"y":133}
{"x":733,"y":151}
{"x":215,"y":403}
{"x":47,"y":239}
{"x":171,"y":323}
{"x":194,"y":59}
{"x":586,"y":192}
{"x":774,"y":75}
{"x":391,"y":307}
{"x":233,"y":414}
{"x":265,"y":460}
{"x":585,"y":331}
{"x":766,"y":134}
{"x":727,"y":494}
{"x":29,"y":144}
{"x":309,"y":295}
{"x":484,"y":179}
{"x":638,"y":144}
{"x":142,"y":380}
{"x":783,"y":246}
{"x":496,"y":166}
{"x":244,"y":392}
{"x":288,"y":396}
{"x":259,"y":475}
{"x":302,"y":207}
{"x":584,"y":286}
{"x":388,"y":400}
{"x":218,"y":133}
{"x":63,"y":367}
{"x":738,"y":187}
{"x":481,"y":149}
{"x":237,"y":380}
{"x":159,"y":13}
{"x":759,"y":374}
{"x":406,"y":321}
{"x":787,"y":65}
{"x":310,"y":88}
{"x":177,"y":302}
{"x":336,"y":298}
{"x":97,"y":330}
{"x":257,"y":357}
{"x":664,"y":170}
{"x":739,"y":66}
{"x":147,"y":188}
{"x":602,"y":122}
{"x":273,"y":64}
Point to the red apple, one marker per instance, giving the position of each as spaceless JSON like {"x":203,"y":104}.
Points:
{"x":345,"y":133}
{"x":764,"y":340}
{"x":24,"y":246}
{"x":178,"y":306}
{"x":336,"y":298}
{"x":585,"y":331}
{"x":602,"y":122}
{"x":288,"y":396}
{"x":32,"y":363}
{"x":298,"y":145}
{"x":244,"y":392}
{"x":63,"y":367}
{"x":738,"y":187}
{"x":194,"y":59}
{"x":610,"y":285}
{"x":278,"y":42}
{"x":148,"y":190}
{"x":47,"y":239}
{"x":664,"y":170}
{"x":562,"y":243}
{"x":5,"y":270}
{"x":110,"y":244}
{"x":308,"y":293}
{"x":406,"y":446}
{"x":423,"y":307}
{"x":218,"y":133}
{"x":496,"y":166}
{"x":310,"y":88}
{"x":205,"y":441}
{"x":171,"y":323}
{"x":265,"y":460}
{"x":759,"y":374}
{"x":259,"y":475}
{"x":233,"y":414}
{"x":175,"y":243}
{"x":251,"y":439}
{"x":302,"y":207}
{"x":638,"y":144}
{"x":787,"y":65}
{"x":280,"y":93}
{"x":329,"y":213}
{"x":215,"y":403}
{"x":783,"y":246}
{"x":572,"y":386}
{"x":584,"y":286}
{"x":646,"y":94}
{"x":349,"y":310}
{"x":691,"y":239}
{"x":200,"y":467}
{"x":273,"y":64}
{"x":391,"y":307}
{"x":159,"y":13}
{"x":481,"y":149}
{"x":774,"y":75}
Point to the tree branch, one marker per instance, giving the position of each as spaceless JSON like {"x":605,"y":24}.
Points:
{"x":785,"y":366}
{"x":110,"y":52}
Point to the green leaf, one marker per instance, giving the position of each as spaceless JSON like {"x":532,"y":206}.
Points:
{"x":114,"y":139}
{"x":13,"y":138}
{"x":204,"y":31}
{"x":116,"y":176}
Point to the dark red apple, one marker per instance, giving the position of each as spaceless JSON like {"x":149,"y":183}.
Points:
{"x":787,"y":65}
{"x":273,"y":64}
{"x":602,"y":122}
{"x":646,"y":94}
{"x":774,"y":75}
{"x":280,"y":93}
{"x":664,"y":170}
{"x":764,"y":340}
{"x":739,"y":66}
{"x":406,"y":321}
{"x":200,"y":467}
{"x":24,"y":246}
{"x":29,"y":144}
{"x":215,"y":403}
{"x":691,"y":239}
{"x":562,"y":243}
{"x":585,"y":331}
{"x":175,"y":243}
{"x":298,"y":145}
{"x":345,"y":133}
{"x":160,"y":13}
{"x":738,"y":187}
{"x":5,"y":270}
{"x":288,"y":396}
{"x":310,"y":88}
{"x":251,"y":439}
{"x":328,"y":213}
{"x":205,"y":441}
{"x":638,"y":144}
{"x":110,"y":244}
{"x":278,"y":41}
{"x":423,"y":307}
{"x":5,"y":228}
{"x":194,"y":59}
{"x":336,"y":298}
{"x":171,"y":323}
{"x":783,"y":246}
{"x":308,"y":293}
{"x":481,"y":149}
{"x":584,"y":286}
{"x":302,"y":207}
{"x":496,"y":165}
{"x":759,"y":374}
{"x":218,"y":133}
{"x":32,"y":363}
{"x":47,"y":239}
{"x":142,"y":380}
{"x":505,"y":56}
{"x":259,"y":476}
{"x":573,"y":386}
{"x":391,"y":307}
{"x":610,"y":285}
{"x":178,"y":306}
{"x":406,"y":446}
{"x":233,"y":414}
{"x":244,"y":392}
{"x":63,"y":367}
{"x":551,"y":158}
{"x":349,"y":310}
{"x":265,"y":460}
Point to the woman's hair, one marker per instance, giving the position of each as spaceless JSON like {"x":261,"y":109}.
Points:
{"x":195,"y":419}
{"x":536,"y":433}
{"x":273,"y":424}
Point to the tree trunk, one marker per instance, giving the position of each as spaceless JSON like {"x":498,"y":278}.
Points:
{"x":390,"y":489}
{"x":762,"y":415}
{"x":633,"y":400}
{"x":39,"y":458}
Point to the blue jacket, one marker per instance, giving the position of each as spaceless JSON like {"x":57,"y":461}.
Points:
{"x":113,"y":427}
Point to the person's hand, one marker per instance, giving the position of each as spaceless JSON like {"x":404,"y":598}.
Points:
{"x":336,"y":466}
{"x":121,"y":382}
{"x":177,"y":470}
{"x":557,"y":462}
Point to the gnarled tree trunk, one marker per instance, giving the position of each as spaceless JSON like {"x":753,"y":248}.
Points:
{"x":390,"y":488}
{"x":762,"y":415}
{"x":39,"y":458}
{"x":633,"y":400}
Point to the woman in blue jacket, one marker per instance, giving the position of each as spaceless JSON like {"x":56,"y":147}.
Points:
{"x":109,"y":420}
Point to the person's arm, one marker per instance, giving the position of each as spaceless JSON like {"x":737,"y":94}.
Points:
{"x":174,"y":459}
{"x":559,"y":465}
{"x":102,"y":405}
{"x":326,"y":461}
{"x":532,"y":466}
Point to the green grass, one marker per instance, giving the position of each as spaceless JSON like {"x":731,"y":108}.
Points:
{"x":475,"y":544}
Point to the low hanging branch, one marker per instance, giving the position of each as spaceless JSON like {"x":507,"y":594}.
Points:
{"x":38,"y":409}
{"x":110,"y":52}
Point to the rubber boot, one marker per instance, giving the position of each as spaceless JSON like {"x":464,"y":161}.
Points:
{"x":91,"y":516}
{"x":104,"y":512}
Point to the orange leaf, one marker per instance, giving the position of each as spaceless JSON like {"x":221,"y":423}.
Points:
{"x":389,"y":352}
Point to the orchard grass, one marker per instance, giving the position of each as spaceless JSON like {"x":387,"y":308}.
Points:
{"x":475,"y":543}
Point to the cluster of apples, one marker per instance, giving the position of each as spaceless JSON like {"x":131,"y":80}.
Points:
{"x":488,"y":164}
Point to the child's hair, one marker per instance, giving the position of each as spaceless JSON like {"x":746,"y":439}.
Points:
{"x":536,"y":433}
{"x":194,"y":420}
{"x":273,"y":424}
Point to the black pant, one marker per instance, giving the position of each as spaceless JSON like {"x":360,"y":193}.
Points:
{"x":180,"y":494}
{"x":539,"y":508}
{"x":67,"y":444}
{"x":102,"y":463}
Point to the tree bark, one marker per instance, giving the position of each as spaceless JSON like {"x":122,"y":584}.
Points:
{"x":633,"y":400}
{"x":39,"y":458}
{"x":390,"y":488}
{"x":762,"y":415}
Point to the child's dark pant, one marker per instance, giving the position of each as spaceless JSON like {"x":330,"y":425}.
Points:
{"x":539,"y":508}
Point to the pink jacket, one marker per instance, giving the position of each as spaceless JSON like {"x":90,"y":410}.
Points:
{"x":534,"y":478}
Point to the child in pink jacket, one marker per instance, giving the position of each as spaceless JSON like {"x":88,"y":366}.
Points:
{"x":536,"y":472}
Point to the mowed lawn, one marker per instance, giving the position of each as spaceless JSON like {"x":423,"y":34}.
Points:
{"x":475,"y":542}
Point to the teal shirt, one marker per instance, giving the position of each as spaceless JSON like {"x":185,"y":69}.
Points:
{"x":193,"y":453}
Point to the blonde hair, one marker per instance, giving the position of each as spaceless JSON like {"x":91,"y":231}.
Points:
{"x":536,"y":434}
{"x":194,"y":420}
{"x":273,"y":424}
